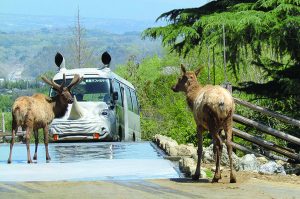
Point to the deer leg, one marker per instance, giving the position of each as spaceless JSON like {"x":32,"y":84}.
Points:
{"x":27,"y":137}
{"x":36,"y":139}
{"x":215,"y":149}
{"x":221,"y":145}
{"x":14,"y":130}
{"x":197,"y":174}
{"x":228,"y":131}
{"x":46,"y":141}
{"x":218,"y":143}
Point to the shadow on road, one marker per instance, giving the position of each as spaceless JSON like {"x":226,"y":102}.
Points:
{"x":189,"y":180}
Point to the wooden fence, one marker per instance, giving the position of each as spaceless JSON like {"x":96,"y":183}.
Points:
{"x":5,"y":135}
{"x":286,"y":154}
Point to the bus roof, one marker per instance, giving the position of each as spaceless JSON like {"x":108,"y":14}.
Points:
{"x":91,"y":72}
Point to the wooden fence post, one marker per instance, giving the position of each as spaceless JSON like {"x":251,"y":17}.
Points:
{"x":3,"y":123}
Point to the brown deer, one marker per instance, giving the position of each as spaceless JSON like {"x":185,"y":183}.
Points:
{"x":212,"y":107}
{"x":38,"y":111}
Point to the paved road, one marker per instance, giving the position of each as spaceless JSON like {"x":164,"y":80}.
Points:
{"x":107,"y":170}
{"x":86,"y":162}
{"x":137,"y":189}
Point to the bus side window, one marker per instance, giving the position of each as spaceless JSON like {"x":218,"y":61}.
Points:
{"x":134,"y":102}
{"x":117,"y":88}
{"x":129,"y":102}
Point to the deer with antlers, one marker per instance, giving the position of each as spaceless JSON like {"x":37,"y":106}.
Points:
{"x":38,"y":111}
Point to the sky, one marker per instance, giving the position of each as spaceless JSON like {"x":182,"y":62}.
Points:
{"x":109,"y":9}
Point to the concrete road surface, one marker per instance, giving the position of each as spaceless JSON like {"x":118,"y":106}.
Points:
{"x":140,"y":189}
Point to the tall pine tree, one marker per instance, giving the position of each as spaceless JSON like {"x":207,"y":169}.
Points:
{"x":265,"y":31}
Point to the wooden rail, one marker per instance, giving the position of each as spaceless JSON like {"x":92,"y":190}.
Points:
{"x":265,"y":152}
{"x":265,"y":144}
{"x":268,"y":112}
{"x":266,"y":129}
{"x":287,"y":152}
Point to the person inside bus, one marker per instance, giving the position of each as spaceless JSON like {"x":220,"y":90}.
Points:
{"x":79,"y":97}
{"x":106,"y":98}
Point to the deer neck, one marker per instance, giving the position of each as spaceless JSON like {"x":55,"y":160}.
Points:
{"x":59,"y":107}
{"x":192,"y":93}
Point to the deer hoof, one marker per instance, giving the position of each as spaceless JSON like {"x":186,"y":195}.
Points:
{"x":8,"y":161}
{"x":215,"y":180}
{"x":233,"y":180}
{"x":195,"y":177}
{"x":48,"y":159}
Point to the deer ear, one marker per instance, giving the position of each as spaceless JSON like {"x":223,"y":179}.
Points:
{"x":183,"y":68}
{"x":197,"y":71}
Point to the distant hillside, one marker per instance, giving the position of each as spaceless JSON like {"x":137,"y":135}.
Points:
{"x":11,"y":23}
{"x":28,"y":44}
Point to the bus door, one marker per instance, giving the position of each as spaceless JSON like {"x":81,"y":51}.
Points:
{"x":125,"y":112}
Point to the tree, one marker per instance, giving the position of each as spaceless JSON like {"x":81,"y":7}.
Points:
{"x":266,"y":32}
{"x":82,"y":54}
{"x":260,"y":34}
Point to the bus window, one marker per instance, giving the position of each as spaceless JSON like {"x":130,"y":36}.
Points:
{"x":134,"y":102}
{"x":129,"y":102}
{"x":117,"y":88}
{"x":90,"y":89}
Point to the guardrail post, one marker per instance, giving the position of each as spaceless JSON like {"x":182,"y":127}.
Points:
{"x":228,"y":86}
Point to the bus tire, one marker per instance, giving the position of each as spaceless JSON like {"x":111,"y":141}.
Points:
{"x":120,"y":139}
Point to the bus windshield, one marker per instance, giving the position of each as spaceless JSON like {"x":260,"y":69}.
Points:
{"x":90,"y":89}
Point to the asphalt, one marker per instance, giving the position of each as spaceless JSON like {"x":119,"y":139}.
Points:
{"x":136,"y":189}
{"x":105,"y":171}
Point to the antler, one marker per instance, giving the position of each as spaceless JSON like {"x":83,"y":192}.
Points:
{"x":51,"y":83}
{"x":76,"y":79}
{"x":64,"y":81}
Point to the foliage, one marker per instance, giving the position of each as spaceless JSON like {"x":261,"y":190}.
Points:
{"x":262,"y":50}
{"x":8,"y":119}
{"x":264,"y":31}
{"x":19,"y":84}
{"x":167,"y":113}
{"x":5,"y":103}
{"x":164,"y":111}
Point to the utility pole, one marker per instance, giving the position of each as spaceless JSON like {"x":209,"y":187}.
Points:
{"x":78,"y":39}
{"x":224,"y":46}
{"x":208,"y":65}
{"x":214,"y":65}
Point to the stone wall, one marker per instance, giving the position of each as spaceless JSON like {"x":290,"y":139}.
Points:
{"x":187,"y":156}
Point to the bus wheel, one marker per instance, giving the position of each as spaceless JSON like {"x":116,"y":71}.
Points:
{"x":120,"y":134}
{"x":133,"y":137}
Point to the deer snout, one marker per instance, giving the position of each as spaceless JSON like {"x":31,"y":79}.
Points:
{"x":174,"y":89}
{"x":70,"y":101}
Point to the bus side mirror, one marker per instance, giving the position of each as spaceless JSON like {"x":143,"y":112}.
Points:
{"x":115,"y":96}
